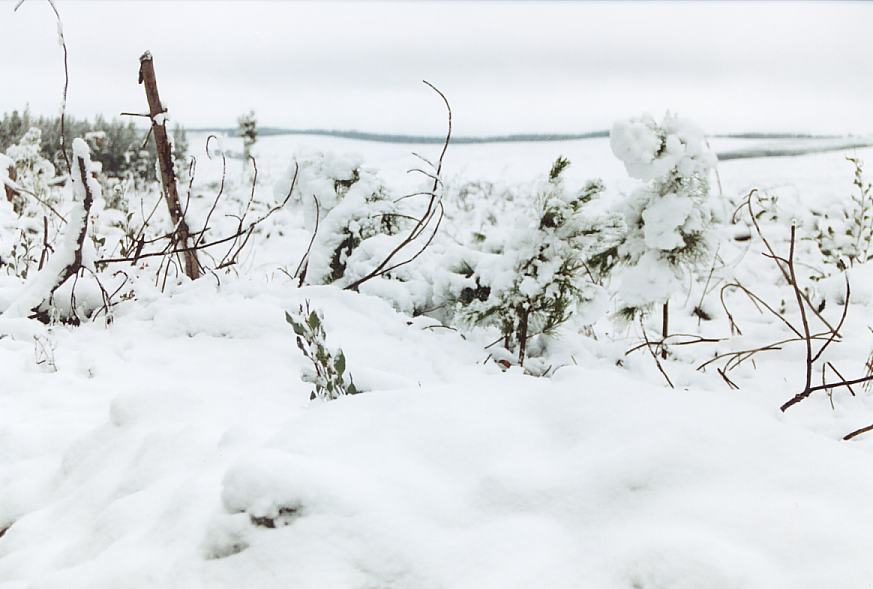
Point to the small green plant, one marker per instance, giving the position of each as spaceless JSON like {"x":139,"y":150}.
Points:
{"x":23,"y":255}
{"x":328,"y":372}
{"x":845,"y":237}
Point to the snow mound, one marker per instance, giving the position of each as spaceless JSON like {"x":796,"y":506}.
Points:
{"x":514,"y":482}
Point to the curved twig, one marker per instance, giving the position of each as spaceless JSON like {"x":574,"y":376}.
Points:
{"x":305,"y":258}
{"x":431,"y":211}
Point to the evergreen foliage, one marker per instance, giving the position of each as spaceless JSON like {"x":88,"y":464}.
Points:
{"x":669,"y":219}
{"x":534,"y":280}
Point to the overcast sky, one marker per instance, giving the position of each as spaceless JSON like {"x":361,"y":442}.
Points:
{"x":506,"y":66}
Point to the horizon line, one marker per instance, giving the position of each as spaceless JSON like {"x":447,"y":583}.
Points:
{"x":502,"y":138}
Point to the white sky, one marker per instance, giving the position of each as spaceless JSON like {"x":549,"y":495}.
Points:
{"x":506,"y":67}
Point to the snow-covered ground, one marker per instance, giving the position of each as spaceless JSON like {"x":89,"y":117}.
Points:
{"x":177,"y":446}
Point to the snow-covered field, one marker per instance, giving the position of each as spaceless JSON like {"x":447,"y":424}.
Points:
{"x":177,"y":446}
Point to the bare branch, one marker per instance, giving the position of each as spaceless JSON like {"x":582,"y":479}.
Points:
{"x":858,"y":432}
{"x":654,"y":355}
{"x":433,"y":208}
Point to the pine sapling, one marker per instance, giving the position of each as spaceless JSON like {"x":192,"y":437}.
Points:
{"x":669,"y":219}
{"x":531,"y":282}
{"x":248,"y":130}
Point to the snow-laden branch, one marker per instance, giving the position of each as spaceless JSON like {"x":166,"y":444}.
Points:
{"x":67,"y":258}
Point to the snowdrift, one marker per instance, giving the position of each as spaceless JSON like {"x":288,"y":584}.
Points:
{"x":177,"y":448}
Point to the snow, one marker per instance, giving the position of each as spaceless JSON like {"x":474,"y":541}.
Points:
{"x":537,"y":492}
{"x":157,"y":451}
{"x":651,"y":280}
{"x":511,"y":479}
{"x":861,"y":279}
{"x":650,"y":150}
{"x":662,"y":219}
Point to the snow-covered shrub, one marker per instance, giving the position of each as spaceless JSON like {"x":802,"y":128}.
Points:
{"x":531,"y":280}
{"x":130,"y":211}
{"x":328,"y":372}
{"x":67,"y":258}
{"x":33,"y":172}
{"x":35,"y":195}
{"x":139,"y":169}
{"x":344,"y":205}
{"x":845,"y":235}
{"x":27,"y":212}
{"x":670,"y":217}
{"x":474,"y":208}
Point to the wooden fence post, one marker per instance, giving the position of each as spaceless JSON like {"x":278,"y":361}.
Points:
{"x":165,"y":162}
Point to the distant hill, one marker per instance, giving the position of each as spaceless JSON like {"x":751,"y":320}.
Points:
{"x":510,"y":138}
{"x":802,"y":143}
{"x":416,"y":139}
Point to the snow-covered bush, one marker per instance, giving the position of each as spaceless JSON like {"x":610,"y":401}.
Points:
{"x":33,"y":171}
{"x":669,"y":218}
{"x":474,"y":208}
{"x":344,"y":205}
{"x":845,"y":235}
{"x":530,"y":281}
{"x":328,"y":372}
{"x":66,"y":259}
{"x":28,"y":217}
